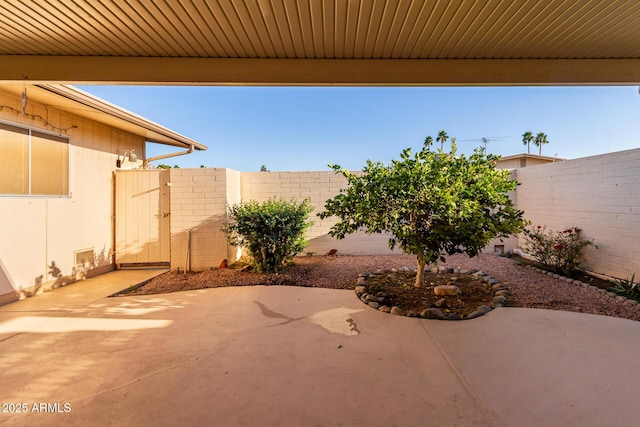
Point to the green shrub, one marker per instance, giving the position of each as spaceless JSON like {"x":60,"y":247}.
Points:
{"x":272,"y":232}
{"x":559,"y":251}
{"x":627,"y":288}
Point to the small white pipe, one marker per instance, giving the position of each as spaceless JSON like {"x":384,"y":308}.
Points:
{"x":145,"y":163}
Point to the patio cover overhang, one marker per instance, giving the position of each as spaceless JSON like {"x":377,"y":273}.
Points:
{"x":334,"y":42}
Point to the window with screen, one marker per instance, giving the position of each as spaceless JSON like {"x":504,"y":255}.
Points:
{"x":33,"y":162}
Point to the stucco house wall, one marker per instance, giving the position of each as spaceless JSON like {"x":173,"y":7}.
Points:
{"x":36,"y":231}
{"x":598,"y":194}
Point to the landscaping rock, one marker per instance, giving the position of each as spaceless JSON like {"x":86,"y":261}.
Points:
{"x":373,"y":304}
{"x":360,"y":290}
{"x":372,"y":298}
{"x":443,"y":290}
{"x":441,"y":303}
{"x":361,"y":281}
{"x":397,"y":311}
{"x":631,"y":302}
{"x":453,"y":316}
{"x":492,"y":281}
{"x":620,"y":298}
{"x":433,"y":313}
{"x":503,"y":293}
{"x":482,"y":310}
{"x":500,"y":299}
{"x":384,"y":309}
{"x":497,"y":287}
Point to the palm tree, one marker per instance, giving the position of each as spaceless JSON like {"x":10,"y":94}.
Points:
{"x":442,"y":138}
{"x":428,"y":142}
{"x":527,"y":139}
{"x":540,"y":140}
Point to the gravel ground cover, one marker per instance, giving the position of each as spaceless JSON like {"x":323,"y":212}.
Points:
{"x":529,"y":287}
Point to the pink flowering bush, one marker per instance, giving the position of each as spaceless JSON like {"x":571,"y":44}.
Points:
{"x":558,"y":251}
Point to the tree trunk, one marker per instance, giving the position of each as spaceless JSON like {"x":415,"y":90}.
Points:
{"x":420,"y":274}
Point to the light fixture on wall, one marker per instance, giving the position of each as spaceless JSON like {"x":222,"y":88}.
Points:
{"x":128,"y":155}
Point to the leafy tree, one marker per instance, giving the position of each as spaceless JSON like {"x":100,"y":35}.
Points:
{"x":431,"y":203}
{"x":203,"y":166}
{"x":272,"y":231}
{"x":442,"y":138}
{"x":163,"y":166}
{"x":527,"y":139}
{"x":540,"y":140}
{"x":263,"y":168}
{"x":428,"y":142}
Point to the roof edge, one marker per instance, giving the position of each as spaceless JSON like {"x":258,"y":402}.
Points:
{"x":93,"y":102}
{"x":532,"y":156}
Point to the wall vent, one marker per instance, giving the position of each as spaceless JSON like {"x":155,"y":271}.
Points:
{"x":85,"y":256}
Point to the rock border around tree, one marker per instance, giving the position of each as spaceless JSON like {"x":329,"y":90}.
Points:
{"x":500,"y":291}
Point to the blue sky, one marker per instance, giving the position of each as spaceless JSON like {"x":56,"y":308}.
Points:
{"x":306,"y":128}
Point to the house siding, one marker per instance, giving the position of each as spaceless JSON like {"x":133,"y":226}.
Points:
{"x":37,"y":231}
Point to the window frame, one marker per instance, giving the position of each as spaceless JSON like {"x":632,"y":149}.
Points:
{"x":30,"y":130}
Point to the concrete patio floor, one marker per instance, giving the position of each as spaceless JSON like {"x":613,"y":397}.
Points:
{"x":290,"y":356}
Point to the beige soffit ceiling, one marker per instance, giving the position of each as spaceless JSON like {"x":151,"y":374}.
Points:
{"x":350,"y":42}
{"x":79,"y":103}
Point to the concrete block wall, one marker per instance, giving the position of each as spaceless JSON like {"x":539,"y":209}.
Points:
{"x":199,"y":205}
{"x":317,"y":187}
{"x":600,"y":195}
{"x":234,"y":196}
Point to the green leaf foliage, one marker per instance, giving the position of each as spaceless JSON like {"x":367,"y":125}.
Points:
{"x":628,"y":288}
{"x":272,"y":232}
{"x":432,"y":203}
{"x":558,"y":251}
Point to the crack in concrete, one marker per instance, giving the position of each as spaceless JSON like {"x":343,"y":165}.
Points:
{"x":465,"y":384}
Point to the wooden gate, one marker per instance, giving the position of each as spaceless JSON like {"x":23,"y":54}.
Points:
{"x":142,"y":221}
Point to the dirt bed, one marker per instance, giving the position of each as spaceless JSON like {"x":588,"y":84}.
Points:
{"x":529,"y":288}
